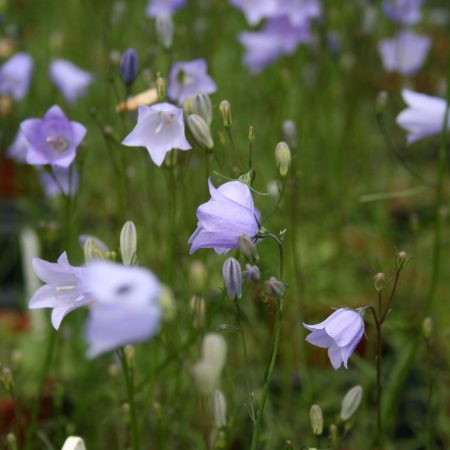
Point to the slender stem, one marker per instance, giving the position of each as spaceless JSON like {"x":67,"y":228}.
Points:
{"x":129,"y":382}
{"x":430,"y":429}
{"x":391,"y":297}
{"x":172,"y":188}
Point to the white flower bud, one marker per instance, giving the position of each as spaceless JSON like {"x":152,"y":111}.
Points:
{"x":214,"y":349}
{"x":202,"y":106}
{"x":200,"y":130}
{"x":164,"y":30}
{"x":219,"y":408}
{"x":74,"y":443}
{"x":128,"y":243}
{"x":225,"y":112}
{"x":283,"y":157}
{"x":316,"y":419}
{"x":351,"y":402}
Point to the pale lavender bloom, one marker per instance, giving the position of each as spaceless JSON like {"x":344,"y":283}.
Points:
{"x":187,"y":79}
{"x":340,"y":333}
{"x":71,"y":81}
{"x":156,"y":7}
{"x":255,"y":10}
{"x":18,"y":150}
{"x":405,"y":53}
{"x":159,"y":129}
{"x":299,"y":11}
{"x":279,"y":37}
{"x":63,"y":291}
{"x":222,"y":220}
{"x":63,"y":177}
{"x":424,"y":116}
{"x":15,"y":75}
{"x":53,"y":139}
{"x":126,"y":308}
{"x":252,"y":273}
{"x":406,"y":12}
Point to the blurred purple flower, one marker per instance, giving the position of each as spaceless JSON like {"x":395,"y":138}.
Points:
{"x":15,"y":75}
{"x":222,"y":220}
{"x":405,"y":53}
{"x":279,"y":37}
{"x":18,"y":150}
{"x":188,"y":79}
{"x":159,"y":129}
{"x":406,"y":12}
{"x":255,"y":10}
{"x":424,"y":116}
{"x":156,"y":7}
{"x":71,"y":81}
{"x":299,"y":12}
{"x":251,"y":273}
{"x":53,"y":139}
{"x":63,"y":291}
{"x":63,"y":177}
{"x":126,"y":308}
{"x":340,"y":333}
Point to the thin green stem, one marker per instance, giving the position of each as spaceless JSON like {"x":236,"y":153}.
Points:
{"x":391,"y":297}
{"x":430,"y":429}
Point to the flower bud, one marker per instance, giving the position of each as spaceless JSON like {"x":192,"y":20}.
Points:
{"x":202,"y":106}
{"x":275,"y":288}
{"x":225,"y":113}
{"x":198,"y":276}
{"x":214,"y":349}
{"x":128,"y":243}
{"x":316,"y":418}
{"x":251,"y":273}
{"x":200,"y":130}
{"x":93,"y":248}
{"x":7,"y":379}
{"x":129,"y":66}
{"x":113,"y":370}
{"x":130,"y":355}
{"x":283,"y":158}
{"x":160,"y":87}
{"x":232,"y":276}
{"x":167,"y":302}
{"x":197,"y":305}
{"x":248,"y":248}
{"x":219,"y":408}
{"x":126,"y":411}
{"x":402,"y":259}
{"x":351,"y":402}
{"x":11,"y":441}
{"x":251,"y":134}
{"x":380,"y":102}
{"x":74,"y":443}
{"x":379,"y":281}
{"x":334,"y":434}
{"x":427,"y":328}
{"x":188,"y":106}
{"x":164,"y":30}
{"x":290,"y":132}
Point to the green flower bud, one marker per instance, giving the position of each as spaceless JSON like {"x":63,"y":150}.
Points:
{"x":381,"y":102}
{"x":225,"y":112}
{"x":283,"y":158}
{"x":334,"y":434}
{"x":198,"y":276}
{"x":128,"y":243}
{"x":251,"y":133}
{"x":7,"y":379}
{"x":167,"y":302}
{"x":188,"y":106}
{"x":379,"y":281}
{"x":351,"y":402}
{"x":427,"y":328}
{"x":130,"y":355}
{"x":316,"y":419}
{"x":202,"y":106}
{"x":11,"y":441}
{"x":402,"y":259}
{"x":160,"y":87}
{"x":200,"y":130}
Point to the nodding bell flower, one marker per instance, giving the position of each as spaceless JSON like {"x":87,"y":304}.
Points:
{"x":232,"y":276}
{"x":275,"y":288}
{"x":252,"y":273}
{"x":53,"y":139}
{"x":222,"y":220}
{"x":340,"y":333}
{"x":164,"y":30}
{"x":159,"y":129}
{"x":15,"y":76}
{"x":129,"y":66}
{"x":200,"y":130}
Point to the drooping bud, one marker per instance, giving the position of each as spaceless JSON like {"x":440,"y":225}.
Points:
{"x":427,"y":328}
{"x":232,"y":276}
{"x":74,"y":443}
{"x":316,"y":419}
{"x":351,"y":402}
{"x":167,"y":302}
{"x":402,"y":259}
{"x":164,"y":30}
{"x":251,"y":273}
{"x":275,"y":288}
{"x":225,"y":113}
{"x":290,"y":132}
{"x":128,"y":243}
{"x":198,"y":276}
{"x":283,"y":158}
{"x":200,"y":130}
{"x":248,"y":248}
{"x":219,"y":408}
{"x":379,"y":281}
{"x":129,"y":66}
{"x":202,"y":106}
{"x":197,"y":306}
{"x":160,"y":87}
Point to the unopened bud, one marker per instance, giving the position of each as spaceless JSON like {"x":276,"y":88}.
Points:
{"x":316,"y":419}
{"x":113,"y":371}
{"x":219,"y":408}
{"x":402,"y":259}
{"x":379,"y":281}
{"x":251,"y":273}
{"x":160,"y":88}
{"x":126,"y":411}
{"x":129,"y":66}
{"x":275,"y":288}
{"x":214,"y":349}
{"x":225,"y":113}
{"x":164,"y":30}
{"x":248,"y":248}
{"x":11,"y":441}
{"x":232,"y":276}
{"x":381,"y":102}
{"x":251,"y":133}
{"x":128,"y":243}
{"x":7,"y":379}
{"x":200,"y":130}
{"x":129,"y":354}
{"x":188,"y":106}
{"x":351,"y":402}
{"x":74,"y":443}
{"x":334,"y":434}
{"x":283,"y":158}
{"x":427,"y":328}
{"x":198,"y":276}
{"x":167,"y":302}
{"x":202,"y":106}
{"x":93,"y":248}
{"x":290,"y":132}
{"x":197,"y":305}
